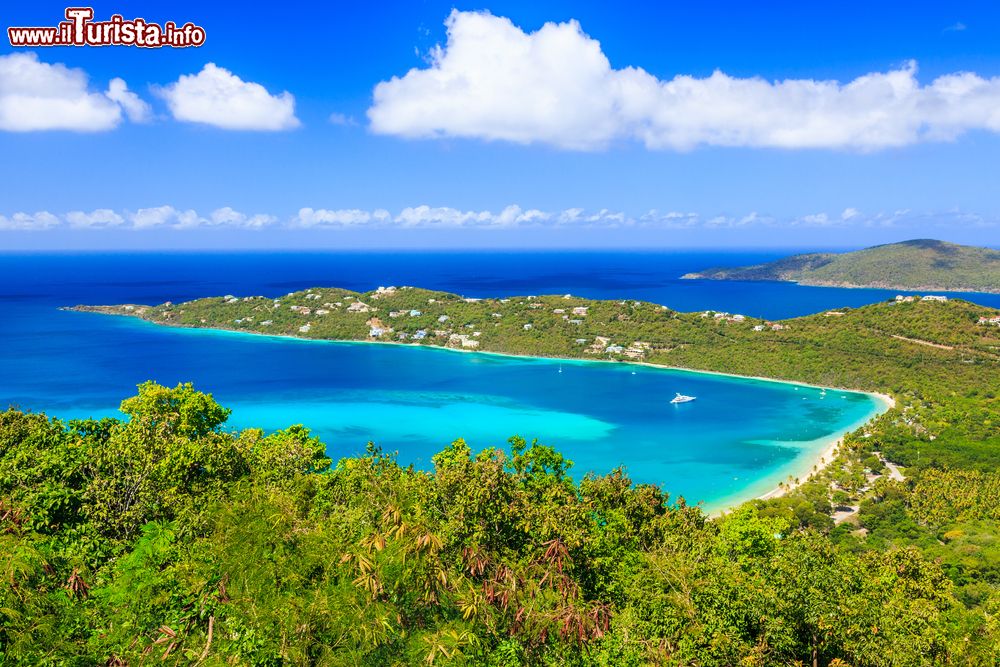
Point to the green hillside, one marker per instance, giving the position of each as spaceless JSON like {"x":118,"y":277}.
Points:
{"x":921,"y":264}
{"x":168,"y":537}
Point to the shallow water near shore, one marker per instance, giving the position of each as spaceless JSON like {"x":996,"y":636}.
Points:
{"x":738,"y":439}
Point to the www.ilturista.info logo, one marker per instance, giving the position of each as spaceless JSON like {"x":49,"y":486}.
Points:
{"x":79,"y":29}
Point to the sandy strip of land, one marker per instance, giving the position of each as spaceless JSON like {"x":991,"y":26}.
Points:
{"x":827,"y":457}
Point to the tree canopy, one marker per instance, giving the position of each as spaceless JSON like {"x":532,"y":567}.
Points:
{"x":166,"y":537}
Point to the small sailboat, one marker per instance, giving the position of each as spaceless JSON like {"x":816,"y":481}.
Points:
{"x":681,"y":398}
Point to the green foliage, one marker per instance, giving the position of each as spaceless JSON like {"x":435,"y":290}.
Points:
{"x":940,"y":497}
{"x":745,"y":535}
{"x":284,"y":454}
{"x":921,"y":264}
{"x":250,"y":548}
{"x":166,"y":539}
{"x":180,"y":411}
{"x":150,"y":468}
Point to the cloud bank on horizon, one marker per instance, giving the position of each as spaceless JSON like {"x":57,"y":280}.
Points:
{"x":496,"y":82}
{"x":446,"y":217}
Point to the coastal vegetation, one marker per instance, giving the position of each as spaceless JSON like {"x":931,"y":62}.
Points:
{"x":927,"y":353}
{"x":921,"y":264}
{"x":165,"y":536}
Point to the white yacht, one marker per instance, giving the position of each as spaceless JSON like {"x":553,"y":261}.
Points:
{"x":681,"y":398}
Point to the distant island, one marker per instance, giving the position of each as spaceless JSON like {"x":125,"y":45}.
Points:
{"x":920,"y":264}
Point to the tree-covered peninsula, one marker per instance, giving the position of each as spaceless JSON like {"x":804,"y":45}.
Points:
{"x":920,"y":264}
{"x":167,"y":537}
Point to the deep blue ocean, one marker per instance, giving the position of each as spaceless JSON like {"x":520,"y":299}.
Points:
{"x":738,"y":439}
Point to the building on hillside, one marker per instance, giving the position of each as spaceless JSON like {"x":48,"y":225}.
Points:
{"x":464,"y":340}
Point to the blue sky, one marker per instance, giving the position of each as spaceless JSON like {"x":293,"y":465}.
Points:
{"x":506,"y":136}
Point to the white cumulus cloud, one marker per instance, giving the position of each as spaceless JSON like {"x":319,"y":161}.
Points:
{"x":494,"y":81}
{"x":146,"y":218}
{"x":29,"y":221}
{"x":515,"y":215}
{"x":168,"y":216}
{"x":102,"y":217}
{"x":422,"y":216}
{"x":136,"y":109}
{"x":228,"y":216}
{"x":215,"y":96}
{"x":350,"y":217}
{"x":814,"y":220}
{"x":38,"y":96}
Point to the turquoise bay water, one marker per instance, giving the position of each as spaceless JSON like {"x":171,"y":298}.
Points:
{"x":739,"y":439}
